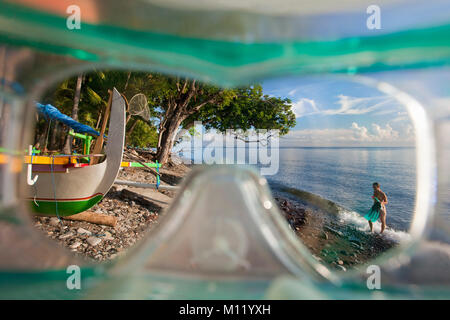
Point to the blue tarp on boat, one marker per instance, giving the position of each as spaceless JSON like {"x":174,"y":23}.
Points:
{"x":50,"y":112}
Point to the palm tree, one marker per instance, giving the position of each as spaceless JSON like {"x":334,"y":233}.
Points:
{"x":76,"y":100}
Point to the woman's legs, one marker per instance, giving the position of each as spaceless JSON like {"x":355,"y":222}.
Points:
{"x":383,"y":218}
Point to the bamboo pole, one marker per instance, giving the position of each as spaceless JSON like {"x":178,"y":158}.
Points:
{"x":99,"y":141}
{"x":145,"y":166}
{"x":145,"y":185}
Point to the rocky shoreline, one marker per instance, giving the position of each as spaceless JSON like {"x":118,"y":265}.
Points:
{"x":330,"y":242}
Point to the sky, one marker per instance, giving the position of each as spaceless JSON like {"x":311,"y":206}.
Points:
{"x":340,"y":112}
{"x":331,"y":112}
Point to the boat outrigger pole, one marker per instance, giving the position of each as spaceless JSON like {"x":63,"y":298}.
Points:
{"x":146,"y":185}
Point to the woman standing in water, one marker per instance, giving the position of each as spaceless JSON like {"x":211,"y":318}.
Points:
{"x":378,"y":209}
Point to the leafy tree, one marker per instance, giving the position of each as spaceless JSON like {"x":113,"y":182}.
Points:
{"x":174,"y":103}
{"x":248,"y":109}
{"x":143,"y":135}
{"x":245,"y":108}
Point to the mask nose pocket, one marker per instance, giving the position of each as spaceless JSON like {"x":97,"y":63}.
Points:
{"x":224,"y":223}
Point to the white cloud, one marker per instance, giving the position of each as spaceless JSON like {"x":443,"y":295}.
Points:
{"x":360,"y":133}
{"x":304,"y":107}
{"x":356,"y":135}
{"x":292,"y":92}
{"x":400,"y":118}
{"x":385,"y":134}
{"x":357,"y":106}
{"x":347,"y":106}
{"x":388,"y":111}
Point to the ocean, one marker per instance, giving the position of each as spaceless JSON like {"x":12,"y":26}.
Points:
{"x":345,"y":176}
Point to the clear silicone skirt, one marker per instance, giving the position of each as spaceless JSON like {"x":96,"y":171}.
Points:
{"x":223,"y":236}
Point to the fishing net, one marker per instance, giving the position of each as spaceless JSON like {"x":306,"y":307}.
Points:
{"x":138,"y":106}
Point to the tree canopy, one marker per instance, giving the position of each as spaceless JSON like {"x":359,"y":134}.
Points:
{"x":173,"y":102}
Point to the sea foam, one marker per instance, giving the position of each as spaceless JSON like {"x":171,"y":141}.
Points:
{"x":353,"y":218}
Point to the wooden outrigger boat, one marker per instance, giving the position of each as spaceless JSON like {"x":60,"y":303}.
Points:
{"x":65,"y":186}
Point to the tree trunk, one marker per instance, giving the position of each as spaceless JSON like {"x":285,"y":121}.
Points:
{"x":40,"y":139}
{"x":167,"y":137}
{"x":130,"y":131}
{"x":44,"y":138}
{"x":178,"y":109}
{"x":126,"y":83}
{"x":62,"y":131}
{"x":76,"y":100}
{"x":54,"y":143}
{"x":91,"y":217}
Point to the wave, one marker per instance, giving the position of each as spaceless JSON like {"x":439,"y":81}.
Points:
{"x":345,"y":216}
{"x":355,"y":219}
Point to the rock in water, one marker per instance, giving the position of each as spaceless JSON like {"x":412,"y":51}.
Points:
{"x":336,"y":232}
{"x":354,"y":240}
{"x":341,"y":268}
{"x":93,"y":241}
{"x":357,"y":246}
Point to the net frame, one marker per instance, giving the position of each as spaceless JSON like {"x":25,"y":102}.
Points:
{"x":138,"y":106}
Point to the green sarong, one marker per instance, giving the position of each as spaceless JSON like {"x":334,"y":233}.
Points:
{"x":374,"y":212}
